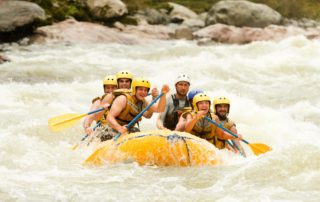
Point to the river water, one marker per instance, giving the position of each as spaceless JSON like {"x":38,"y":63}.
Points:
{"x":273,"y":86}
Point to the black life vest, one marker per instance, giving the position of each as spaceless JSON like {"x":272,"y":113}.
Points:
{"x":171,"y":120}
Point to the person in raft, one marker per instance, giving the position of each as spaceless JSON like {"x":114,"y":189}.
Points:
{"x":109,"y":85}
{"x":182,"y":119}
{"x":126,"y":106}
{"x":197,"y":125}
{"x":175,"y":104}
{"x":221,"y":107}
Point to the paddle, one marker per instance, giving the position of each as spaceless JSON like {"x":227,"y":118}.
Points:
{"x":64,"y":121}
{"x":235,"y":146}
{"x":85,"y":137}
{"x":257,"y":148}
{"x":139,"y":115}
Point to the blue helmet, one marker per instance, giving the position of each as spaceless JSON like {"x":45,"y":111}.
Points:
{"x":194,"y":92}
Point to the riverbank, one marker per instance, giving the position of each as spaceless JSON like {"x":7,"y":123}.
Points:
{"x":132,"y":22}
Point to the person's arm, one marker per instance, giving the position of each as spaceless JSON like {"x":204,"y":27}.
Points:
{"x":191,"y":121}
{"x":223,"y":134}
{"x":154,"y":93}
{"x":160,"y":119}
{"x":90,"y":118}
{"x":158,"y":107}
{"x":181,"y":124}
{"x":118,"y":105}
{"x":162,"y":115}
{"x":233,"y":129}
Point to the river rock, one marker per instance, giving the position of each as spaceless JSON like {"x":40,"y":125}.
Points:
{"x":152,"y":16}
{"x":15,"y":14}
{"x":72,"y":31}
{"x":183,"y":32}
{"x":242,"y":13}
{"x":4,"y":59}
{"x":180,"y":13}
{"x":106,"y":9}
{"x":146,"y":31}
{"x":234,"y":35}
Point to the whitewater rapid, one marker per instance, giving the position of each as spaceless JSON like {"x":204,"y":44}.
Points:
{"x":275,"y":99}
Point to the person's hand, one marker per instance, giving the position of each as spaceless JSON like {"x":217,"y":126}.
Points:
{"x":165,"y":89}
{"x":105,"y":106}
{"x":154,"y":93}
{"x":200,"y":114}
{"x":88,"y":130}
{"x":123,"y":129}
{"x":162,"y":128}
{"x":239,"y":137}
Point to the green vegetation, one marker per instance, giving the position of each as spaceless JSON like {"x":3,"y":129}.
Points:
{"x":198,"y":6}
{"x":58,"y":10}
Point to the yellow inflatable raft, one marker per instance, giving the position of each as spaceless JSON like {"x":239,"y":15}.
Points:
{"x":158,"y":147}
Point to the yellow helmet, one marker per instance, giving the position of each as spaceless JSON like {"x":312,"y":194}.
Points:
{"x":124,"y":75}
{"x":220,"y":100}
{"x":140,"y":82}
{"x":198,"y":98}
{"x":110,"y":80}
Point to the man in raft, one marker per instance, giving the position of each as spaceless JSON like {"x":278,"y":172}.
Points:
{"x":197,"y":125}
{"x":126,"y":106}
{"x":221,"y":107}
{"x":109,"y":85}
{"x":182,"y":121}
{"x":175,"y":104}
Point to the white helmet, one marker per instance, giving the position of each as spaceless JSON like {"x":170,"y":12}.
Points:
{"x":182,"y":77}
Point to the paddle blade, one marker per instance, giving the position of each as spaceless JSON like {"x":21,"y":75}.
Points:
{"x":259,"y":148}
{"x":64,"y":121}
{"x":74,"y":147}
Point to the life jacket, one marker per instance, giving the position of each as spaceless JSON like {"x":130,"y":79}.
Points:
{"x":203,"y":128}
{"x":95,"y":99}
{"x":171,"y":120}
{"x":131,"y":110}
{"x":220,"y":143}
{"x":115,"y":93}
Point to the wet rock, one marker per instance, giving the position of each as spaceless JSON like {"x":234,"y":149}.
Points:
{"x":235,"y":35}
{"x":183,"y":32}
{"x":242,"y":13}
{"x":146,"y":31}
{"x":4,"y":59}
{"x":72,"y":31}
{"x":16,"y":14}
{"x":106,"y":9}
{"x":18,"y":19}
{"x":119,"y":26}
{"x":180,"y":13}
{"x":152,"y":16}
{"x":194,"y":24}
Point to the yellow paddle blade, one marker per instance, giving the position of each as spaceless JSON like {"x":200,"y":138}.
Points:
{"x":259,"y":148}
{"x":74,"y":147}
{"x":61,"y":122}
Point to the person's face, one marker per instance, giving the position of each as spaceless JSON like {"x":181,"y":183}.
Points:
{"x":222,"y":110}
{"x":141,"y":92}
{"x":203,"y":106}
{"x":109,"y":88}
{"x":182,"y":88}
{"x":124,"y":83}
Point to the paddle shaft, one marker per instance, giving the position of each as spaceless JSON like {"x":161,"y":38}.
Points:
{"x":77,"y":117}
{"x":140,"y":114}
{"x":223,"y":128}
{"x":94,"y":128}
